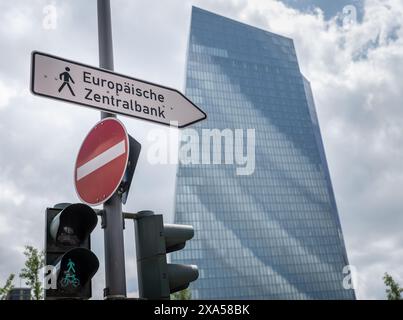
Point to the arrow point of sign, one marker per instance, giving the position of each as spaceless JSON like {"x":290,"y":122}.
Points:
{"x":190,"y":114}
{"x":198,"y":117}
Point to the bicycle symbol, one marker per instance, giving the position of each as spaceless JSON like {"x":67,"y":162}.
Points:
{"x":70,"y":279}
{"x":70,"y":276}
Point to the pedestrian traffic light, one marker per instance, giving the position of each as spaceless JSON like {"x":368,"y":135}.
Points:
{"x":68,"y":229}
{"x":157,"y":278}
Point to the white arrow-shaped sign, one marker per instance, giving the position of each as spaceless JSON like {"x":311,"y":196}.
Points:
{"x":66,"y":80}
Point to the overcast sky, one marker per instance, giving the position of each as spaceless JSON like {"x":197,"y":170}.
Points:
{"x":355,"y":72}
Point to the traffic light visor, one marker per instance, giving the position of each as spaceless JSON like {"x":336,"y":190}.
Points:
{"x":73,"y":224}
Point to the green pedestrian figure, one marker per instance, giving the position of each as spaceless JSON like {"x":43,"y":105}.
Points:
{"x":70,"y":276}
{"x":70,"y":266}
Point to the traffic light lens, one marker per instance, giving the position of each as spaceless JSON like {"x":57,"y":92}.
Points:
{"x":73,"y":224}
{"x":67,"y":237}
{"x":70,"y":281}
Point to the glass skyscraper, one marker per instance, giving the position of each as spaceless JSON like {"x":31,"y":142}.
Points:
{"x":274,"y":233}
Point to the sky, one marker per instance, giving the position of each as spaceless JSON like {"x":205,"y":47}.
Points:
{"x":354,"y":66}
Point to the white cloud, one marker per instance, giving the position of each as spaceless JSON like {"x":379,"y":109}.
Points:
{"x":6,"y":94}
{"x":9,"y":192}
{"x":17,"y":21}
{"x":4,"y":228}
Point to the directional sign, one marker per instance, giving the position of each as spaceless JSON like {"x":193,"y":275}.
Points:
{"x":101,"y":162}
{"x":66,"y":80}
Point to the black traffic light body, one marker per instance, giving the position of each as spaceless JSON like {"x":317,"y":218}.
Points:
{"x":68,"y":249}
{"x":134,"y":153}
{"x":157,"y":279}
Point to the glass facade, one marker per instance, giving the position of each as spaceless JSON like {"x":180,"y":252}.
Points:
{"x":19,"y":294}
{"x":274,"y":233}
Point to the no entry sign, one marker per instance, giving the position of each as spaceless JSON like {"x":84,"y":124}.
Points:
{"x":101,"y":162}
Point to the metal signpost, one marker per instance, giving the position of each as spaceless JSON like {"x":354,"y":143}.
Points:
{"x":115,"y":271}
{"x":108,"y":155}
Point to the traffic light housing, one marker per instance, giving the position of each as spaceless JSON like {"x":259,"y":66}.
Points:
{"x":158,"y":279}
{"x":134,"y":153}
{"x":68,"y":249}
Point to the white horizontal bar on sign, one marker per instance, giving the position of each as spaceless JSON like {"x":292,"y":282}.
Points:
{"x":101,"y":160}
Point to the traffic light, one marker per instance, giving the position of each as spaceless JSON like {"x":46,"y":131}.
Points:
{"x":68,"y":229}
{"x":158,"y":279}
{"x":134,"y":153}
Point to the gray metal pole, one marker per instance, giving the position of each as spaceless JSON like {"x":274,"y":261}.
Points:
{"x":105,"y":44}
{"x":115,"y":276}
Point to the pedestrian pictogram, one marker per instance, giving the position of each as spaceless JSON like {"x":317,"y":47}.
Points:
{"x":70,"y":276}
{"x":66,"y":77}
{"x":70,"y":266}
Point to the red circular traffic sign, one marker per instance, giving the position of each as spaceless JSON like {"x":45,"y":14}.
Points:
{"x":101,"y":162}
